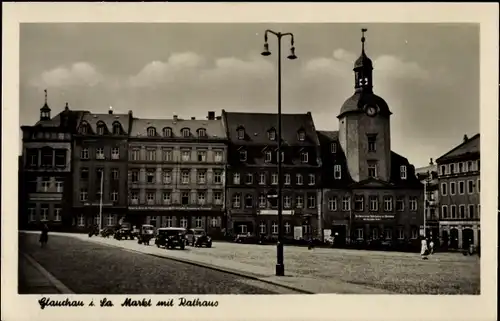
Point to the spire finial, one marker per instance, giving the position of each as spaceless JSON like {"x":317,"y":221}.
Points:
{"x":45,"y":96}
{"x":363,"y":30}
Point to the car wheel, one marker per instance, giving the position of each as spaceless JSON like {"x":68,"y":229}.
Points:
{"x":182,"y":247}
{"x":209,"y":244}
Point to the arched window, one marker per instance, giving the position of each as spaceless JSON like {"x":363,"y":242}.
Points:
{"x":84,"y":128}
{"x":101,"y":128}
{"x":117,"y":128}
{"x":186,"y":132}
{"x":151,"y":131}
{"x":202,"y":132}
{"x":167,"y":132}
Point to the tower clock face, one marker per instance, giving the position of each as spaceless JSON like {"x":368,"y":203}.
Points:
{"x":371,"y":110}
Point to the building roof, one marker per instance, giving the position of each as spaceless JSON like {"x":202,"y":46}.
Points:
{"x":468,"y":146}
{"x":66,"y":118}
{"x":107,"y":119}
{"x":358,"y":101}
{"x":257,"y":126}
{"x":214,"y":128}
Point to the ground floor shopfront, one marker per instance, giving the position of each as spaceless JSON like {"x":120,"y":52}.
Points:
{"x":265,"y":223}
{"x":87,"y":216}
{"x":460,"y":234}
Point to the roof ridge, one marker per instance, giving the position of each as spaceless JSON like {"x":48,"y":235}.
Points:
{"x":458,"y":146}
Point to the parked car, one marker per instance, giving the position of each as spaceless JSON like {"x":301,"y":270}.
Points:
{"x":198,"y":237}
{"x":94,"y":230}
{"x":171,"y":237}
{"x":146,"y":233}
{"x":246,"y":238}
{"x":124,"y":232}
{"x":107,"y":232}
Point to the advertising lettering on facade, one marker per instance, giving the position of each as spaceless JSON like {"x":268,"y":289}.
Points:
{"x":374,"y":217}
{"x":274,"y":212}
{"x":163,"y":208}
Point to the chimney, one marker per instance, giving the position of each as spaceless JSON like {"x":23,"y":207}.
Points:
{"x":110,"y":110}
{"x":211,"y":115}
{"x":466,"y":138}
{"x":431,"y":162}
{"x":66,"y":107}
{"x":176,"y":117}
{"x":193,"y":118}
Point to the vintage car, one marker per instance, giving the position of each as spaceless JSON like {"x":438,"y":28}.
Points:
{"x":198,"y":237}
{"x":247,"y":238}
{"x":107,"y":232}
{"x":124,"y":231}
{"x":146,"y":233}
{"x":94,"y":230}
{"x":171,"y":237}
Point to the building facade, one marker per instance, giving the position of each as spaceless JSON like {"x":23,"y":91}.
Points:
{"x":45,"y":169}
{"x":252,"y":174}
{"x":428,"y":176}
{"x":176,"y":173}
{"x":370,"y":193}
{"x":459,"y":194}
{"x":100,"y":155}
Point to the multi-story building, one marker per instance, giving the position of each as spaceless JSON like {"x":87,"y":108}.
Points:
{"x":370,"y":193}
{"x":252,"y":173}
{"x":428,"y":176}
{"x":177,"y":172}
{"x":100,"y":148}
{"x":459,"y":194}
{"x":45,"y":169}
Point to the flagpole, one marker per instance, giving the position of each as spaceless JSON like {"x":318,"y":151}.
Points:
{"x":100,"y":202}
{"x":425,"y":205}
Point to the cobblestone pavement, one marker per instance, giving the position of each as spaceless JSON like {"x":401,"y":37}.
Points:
{"x":92,"y":268}
{"x":323,"y":270}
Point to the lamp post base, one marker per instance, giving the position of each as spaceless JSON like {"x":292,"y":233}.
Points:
{"x":280,"y":270}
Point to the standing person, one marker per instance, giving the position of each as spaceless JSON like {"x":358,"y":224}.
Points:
{"x":424,"y":250}
{"x":44,"y":236}
{"x":431,"y":247}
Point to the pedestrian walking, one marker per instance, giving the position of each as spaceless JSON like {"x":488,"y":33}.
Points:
{"x":431,"y":247}
{"x":44,"y":236}
{"x":424,"y":251}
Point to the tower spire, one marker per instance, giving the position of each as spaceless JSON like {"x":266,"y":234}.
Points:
{"x":363,"y":39}
{"x":45,"y":96}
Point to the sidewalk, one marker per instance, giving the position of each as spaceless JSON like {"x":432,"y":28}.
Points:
{"x":34,"y":279}
{"x":304,"y":284}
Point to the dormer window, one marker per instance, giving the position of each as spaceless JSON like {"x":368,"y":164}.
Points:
{"x":167,"y":132}
{"x":268,"y":156}
{"x":302,"y":135}
{"x":186,"y":132}
{"x":304,"y":157}
{"x":151,"y":132}
{"x":272,"y":134}
{"x":100,"y":129}
{"x":241,"y":133}
{"x":243,"y":155}
{"x":333,"y":148}
{"x":202,"y":132}
{"x":116,"y":129}
{"x":84,"y":129}
{"x":402,"y":171}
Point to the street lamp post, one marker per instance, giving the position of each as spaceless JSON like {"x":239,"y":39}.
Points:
{"x":280,"y":266}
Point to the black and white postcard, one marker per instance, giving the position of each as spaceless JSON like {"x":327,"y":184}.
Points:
{"x":249,"y":161}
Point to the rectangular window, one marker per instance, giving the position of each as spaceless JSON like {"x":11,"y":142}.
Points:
{"x":299,"y":201}
{"x":45,"y":184}
{"x":461,"y":167}
{"x":312,"y":179}
{"x":359,"y":203}
{"x":243,"y":155}
{"x":185,"y":177}
{"x":202,"y":177}
{"x":287,"y":201}
{"x":110,"y":219}
{"x":150,"y":198}
{"x":332,"y":204}
{"x":166,"y":155}
{"x":333,"y":148}
{"x":337,"y":171}
{"x":402,"y":170}
{"x":442,"y":170}
{"x":413,"y":204}
{"x":444,"y":189}
{"x":268,"y":157}
{"x":274,"y":228}
{"x":249,"y":178}
{"x":218,"y":198}
{"x":304,"y":157}
{"x":262,"y":179}
{"x":84,"y":194}
{"x":135,"y":155}
{"x":99,"y":153}
{"x":372,"y":169}
{"x":84,"y":173}
{"x":471,"y":211}
{"x":444,"y":211}
{"x":47,"y":157}
{"x":167,"y":176}
{"x":359,"y":234}
{"x":218,"y":156}
{"x":57,"y":214}
{"x":185,"y":198}
{"x":373,"y":203}
{"x":134,"y":175}
{"x":461,"y":211}
{"x":478,"y":187}
{"x":44,"y":214}
{"x":461,"y":187}
{"x":169,"y":222}
{"x":236,"y":201}
{"x":372,"y":143}
{"x":81,"y":220}
{"x":400,"y":203}
{"x":470,"y":187}
{"x":236,"y":178}
{"x":311,"y":201}
{"x":300,"y":179}
{"x":115,"y":174}
{"x":184,"y":222}
{"x":60,"y":157}
{"x":262,"y":201}
{"x":346,"y":203}
{"x":248,"y":201}
{"x":59,"y":185}
{"x":186,"y":155}
{"x":401,"y":233}
{"x":287,"y":179}
{"x":115,"y":153}
{"x":202,"y":196}
{"x":452,"y":168}
{"x":32,"y":212}
{"x":31,"y":157}
{"x":453,"y":211}
{"x":262,"y":228}
{"x":470,"y":166}
{"x":167,"y":198}
{"x":151,"y":155}
{"x":202,"y":156}
{"x":388,"y":203}
{"x":452,"y":188}
{"x":134,"y":197}
{"x":150,"y":176}
{"x":274,"y":179}
{"x":217,"y":177}
{"x":198,"y":222}
{"x":114,"y":196}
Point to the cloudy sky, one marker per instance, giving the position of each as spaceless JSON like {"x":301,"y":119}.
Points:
{"x":427,"y":73}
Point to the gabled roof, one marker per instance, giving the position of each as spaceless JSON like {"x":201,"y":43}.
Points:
{"x":214,"y":128}
{"x":257,"y":125}
{"x":66,"y":118}
{"x":108,"y":120}
{"x":469,"y":146}
{"x":328,"y":136}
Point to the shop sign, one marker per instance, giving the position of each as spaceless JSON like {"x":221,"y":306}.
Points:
{"x":168,"y":208}
{"x":98,"y":204}
{"x":374,"y":217}
{"x":274,"y":212}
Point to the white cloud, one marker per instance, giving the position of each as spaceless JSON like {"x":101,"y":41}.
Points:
{"x":78,"y":74}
